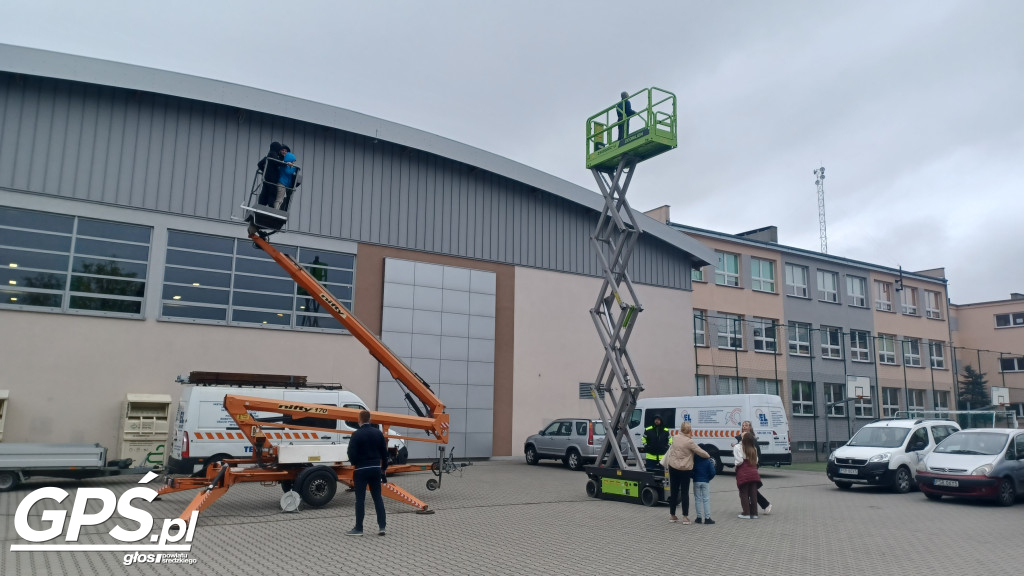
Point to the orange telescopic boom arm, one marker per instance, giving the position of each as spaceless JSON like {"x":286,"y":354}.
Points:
{"x":399,"y":371}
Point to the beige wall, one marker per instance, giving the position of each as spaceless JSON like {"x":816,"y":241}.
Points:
{"x":976,"y":329}
{"x":68,"y":374}
{"x":557,"y":347}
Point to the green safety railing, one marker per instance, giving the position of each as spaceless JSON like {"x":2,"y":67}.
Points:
{"x":652,"y":130}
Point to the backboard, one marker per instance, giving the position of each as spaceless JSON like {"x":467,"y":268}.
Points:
{"x":1000,"y":396}
{"x":858,"y":387}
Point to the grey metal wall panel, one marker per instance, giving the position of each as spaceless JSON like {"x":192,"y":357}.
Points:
{"x":170,"y":154}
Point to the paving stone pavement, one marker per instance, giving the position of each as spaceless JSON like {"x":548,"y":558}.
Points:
{"x":504,"y":517}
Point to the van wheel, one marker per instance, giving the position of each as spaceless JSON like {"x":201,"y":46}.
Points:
{"x":531,"y":456}
{"x":648,"y":496}
{"x":317,"y":485}
{"x":1007,"y":494}
{"x":8,"y":480}
{"x":844,"y":485}
{"x":573,"y":460}
{"x":902,"y":483}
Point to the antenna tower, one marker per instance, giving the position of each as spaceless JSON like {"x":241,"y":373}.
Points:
{"x":819,"y":175}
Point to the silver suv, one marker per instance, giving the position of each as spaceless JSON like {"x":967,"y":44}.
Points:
{"x":574,"y":441}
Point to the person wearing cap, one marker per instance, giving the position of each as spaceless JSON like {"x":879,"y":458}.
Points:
{"x":623,"y":110}
{"x":286,"y":181}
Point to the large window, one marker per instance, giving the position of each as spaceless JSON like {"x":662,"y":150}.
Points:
{"x":762,"y":275}
{"x":863,"y":408}
{"x":890,"y":402}
{"x":224,"y":280}
{"x":828,"y":286}
{"x":860,"y":349}
{"x":796,"y":280}
{"x":697,"y":274}
{"x":764,"y":335}
{"x":730,"y":385}
{"x":883,"y":296}
{"x":72,"y":264}
{"x":766,"y":386}
{"x":702,"y":385}
{"x":1011,"y":364}
{"x":803,"y":398}
{"x":1010,"y":320}
{"x":908,"y":301}
{"x":857,"y":291}
{"x":727,"y":271}
{"x":916,"y":400}
{"x":799,"y":339}
{"x":835,"y":393}
{"x":700,"y":321}
{"x":832,"y":342}
{"x":886,"y":349}
{"x":942,"y":400}
{"x":912,"y":352}
{"x":933,"y":304}
{"x":936,"y":350}
{"x":730,"y":331}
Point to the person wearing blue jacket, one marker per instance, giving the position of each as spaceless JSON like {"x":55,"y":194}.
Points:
{"x":703,"y":472}
{"x":286,"y":178}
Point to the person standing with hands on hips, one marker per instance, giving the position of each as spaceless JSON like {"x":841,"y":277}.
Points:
{"x":368,"y":453}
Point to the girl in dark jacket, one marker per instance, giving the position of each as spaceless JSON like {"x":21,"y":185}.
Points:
{"x":748,"y":480}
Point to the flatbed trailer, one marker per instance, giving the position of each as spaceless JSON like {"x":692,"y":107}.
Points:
{"x":25,"y":460}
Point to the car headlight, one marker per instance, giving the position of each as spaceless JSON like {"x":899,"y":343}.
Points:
{"x":832,"y":457}
{"x":982,"y":470}
{"x":883,"y":457}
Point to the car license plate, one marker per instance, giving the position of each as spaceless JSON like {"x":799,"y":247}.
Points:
{"x":850,"y":471}
{"x":950,"y":483}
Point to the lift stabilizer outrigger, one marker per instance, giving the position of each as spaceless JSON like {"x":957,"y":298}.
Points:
{"x":315,"y":482}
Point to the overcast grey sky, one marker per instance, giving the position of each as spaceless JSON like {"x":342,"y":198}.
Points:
{"x":914,"y":107}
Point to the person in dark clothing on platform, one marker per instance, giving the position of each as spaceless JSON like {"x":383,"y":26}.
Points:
{"x":270,"y":165}
{"x":762,"y":502}
{"x":623,"y":110}
{"x":656,"y":441}
{"x":368,"y":453}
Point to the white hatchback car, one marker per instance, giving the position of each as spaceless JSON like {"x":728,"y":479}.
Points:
{"x":886,"y":453}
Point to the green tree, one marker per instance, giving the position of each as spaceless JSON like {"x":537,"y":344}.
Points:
{"x":973,"y":394}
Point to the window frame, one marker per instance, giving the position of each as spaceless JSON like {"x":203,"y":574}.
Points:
{"x":758,"y":281}
{"x":941,"y":356}
{"x":828,"y":295}
{"x":909,"y":304}
{"x":889,"y":409}
{"x":763,"y":386}
{"x":857,"y":300}
{"x":762,"y":342}
{"x":886,"y":355}
{"x":733,"y":385}
{"x":723,"y":275}
{"x":916,"y":400}
{"x":736,"y":321}
{"x":700,"y":327}
{"x":943,"y":394}
{"x":838,"y":410}
{"x":795,"y":330}
{"x":883,"y":288}
{"x":799,"y":405}
{"x":863,"y":408}
{"x":831,"y":342}
{"x":1013,"y":320}
{"x":911,"y":358}
{"x":856,"y":350}
{"x":931,"y":305}
{"x":791,"y":281}
{"x":697,"y":274}
{"x":1017,"y":361}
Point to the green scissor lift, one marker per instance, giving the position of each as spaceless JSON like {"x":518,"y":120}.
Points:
{"x":648,"y":133}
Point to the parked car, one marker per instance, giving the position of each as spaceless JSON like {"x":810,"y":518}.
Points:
{"x":886,"y":453}
{"x":984,"y":463}
{"x":574,"y":441}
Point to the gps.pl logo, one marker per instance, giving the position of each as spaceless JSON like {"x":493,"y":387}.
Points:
{"x":54,"y":522}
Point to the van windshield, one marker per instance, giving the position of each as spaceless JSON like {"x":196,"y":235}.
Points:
{"x":977,"y":443}
{"x":879,"y":437}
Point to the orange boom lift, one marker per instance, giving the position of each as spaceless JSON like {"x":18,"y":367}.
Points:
{"x":301,"y":470}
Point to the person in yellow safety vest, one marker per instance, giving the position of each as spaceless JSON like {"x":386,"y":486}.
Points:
{"x":656,"y":441}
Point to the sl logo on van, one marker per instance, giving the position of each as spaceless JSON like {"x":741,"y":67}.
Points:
{"x":762,"y":418}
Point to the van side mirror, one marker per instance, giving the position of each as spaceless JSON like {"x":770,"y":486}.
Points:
{"x":915,"y":446}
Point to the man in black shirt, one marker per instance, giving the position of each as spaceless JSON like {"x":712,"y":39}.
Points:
{"x":368,"y":452}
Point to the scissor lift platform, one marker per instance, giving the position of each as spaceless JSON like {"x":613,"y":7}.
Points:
{"x":649,"y":132}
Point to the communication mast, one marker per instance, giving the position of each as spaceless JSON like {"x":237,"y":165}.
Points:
{"x":819,"y":174}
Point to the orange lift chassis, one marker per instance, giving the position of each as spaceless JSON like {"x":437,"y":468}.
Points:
{"x":316,"y":483}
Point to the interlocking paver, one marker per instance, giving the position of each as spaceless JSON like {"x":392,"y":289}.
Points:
{"x":504,"y":517}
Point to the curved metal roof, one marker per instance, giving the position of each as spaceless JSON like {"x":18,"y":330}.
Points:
{"x":35,"y":62}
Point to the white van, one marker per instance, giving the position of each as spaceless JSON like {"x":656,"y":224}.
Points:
{"x":205,"y":433}
{"x":716,"y":422}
